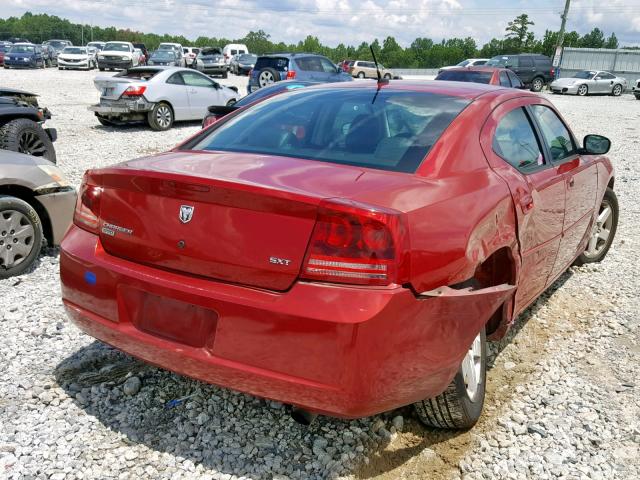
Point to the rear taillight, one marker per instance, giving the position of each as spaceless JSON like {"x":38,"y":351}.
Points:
{"x":134,"y":91}
{"x":87,"y":213}
{"x":291,"y":74}
{"x":356,"y":244}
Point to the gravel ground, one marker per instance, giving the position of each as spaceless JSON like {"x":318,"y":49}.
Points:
{"x":563,"y":394}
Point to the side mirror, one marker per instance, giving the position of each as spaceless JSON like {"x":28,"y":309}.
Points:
{"x":595,"y":145}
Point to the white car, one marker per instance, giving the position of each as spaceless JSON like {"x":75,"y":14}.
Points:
{"x":177,"y":48}
{"x":469,"y":62}
{"x":233,"y":49}
{"x":190,"y":54}
{"x":159,"y":96}
{"x":77,"y":58}
{"x":118,"y":55}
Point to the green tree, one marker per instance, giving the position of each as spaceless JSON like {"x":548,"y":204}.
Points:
{"x":612,"y":41}
{"x":593,"y":39}
{"x":518,"y":29}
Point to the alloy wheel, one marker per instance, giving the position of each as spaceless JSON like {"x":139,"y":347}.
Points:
{"x":265,"y":78}
{"x":582,"y":90}
{"x":601,"y":231}
{"x":537,"y":85}
{"x":163,"y":116}
{"x":471,"y":368}
{"x":16,"y":238}
{"x":617,"y":90}
{"x":31,"y":144}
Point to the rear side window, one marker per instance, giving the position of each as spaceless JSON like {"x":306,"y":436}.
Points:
{"x":175,"y":79}
{"x":542,"y":63}
{"x":555,"y":133}
{"x":515,"y":81}
{"x":504,"y":80}
{"x":468,"y":76}
{"x":526,"y":62}
{"x":387,"y":130}
{"x":272,"y":62}
{"x":516,"y":142}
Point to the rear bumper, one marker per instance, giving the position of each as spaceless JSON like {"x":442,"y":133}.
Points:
{"x":214,"y":68}
{"x":343,"y":351}
{"x":120,"y":107}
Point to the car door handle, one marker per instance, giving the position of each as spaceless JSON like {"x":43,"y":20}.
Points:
{"x":526,"y":201}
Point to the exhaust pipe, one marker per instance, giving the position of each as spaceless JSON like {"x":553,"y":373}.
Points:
{"x":302,"y":416}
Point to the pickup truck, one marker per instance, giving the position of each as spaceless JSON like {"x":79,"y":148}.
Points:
{"x":118,"y":56}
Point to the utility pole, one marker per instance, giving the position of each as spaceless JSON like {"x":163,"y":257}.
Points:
{"x":558,"y":52}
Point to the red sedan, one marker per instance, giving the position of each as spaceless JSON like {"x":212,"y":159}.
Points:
{"x":489,"y":75}
{"x":344,"y":248}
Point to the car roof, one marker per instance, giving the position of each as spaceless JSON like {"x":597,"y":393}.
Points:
{"x":291,"y":55}
{"x":466,"y":90}
{"x":478,"y":68}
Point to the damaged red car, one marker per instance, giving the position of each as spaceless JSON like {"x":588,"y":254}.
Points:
{"x":345,"y":248}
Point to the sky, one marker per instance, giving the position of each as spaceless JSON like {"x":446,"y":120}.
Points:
{"x":347,"y":21}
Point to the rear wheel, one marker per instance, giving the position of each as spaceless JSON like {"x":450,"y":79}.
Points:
{"x":224,"y":74}
{"x":160,"y":117}
{"x":26,"y":136}
{"x":617,"y":90}
{"x":360,"y":74}
{"x":20,"y":236}
{"x":104,"y":121}
{"x":537,"y":84}
{"x":267,"y":76}
{"x":387,"y":76}
{"x":603,"y":230}
{"x":460,"y":405}
{"x":583,"y":90}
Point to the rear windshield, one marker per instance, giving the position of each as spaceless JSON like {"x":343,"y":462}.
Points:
{"x":272,"y":62}
{"x":142,"y":74}
{"x":208,"y":52}
{"x":467,"y":76}
{"x":386,"y":130}
{"x":116,"y":47}
{"x":247,"y":58}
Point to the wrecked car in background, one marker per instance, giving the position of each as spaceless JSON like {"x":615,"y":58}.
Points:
{"x":21,"y":125}
{"x":36,"y":208}
{"x":345,"y":248}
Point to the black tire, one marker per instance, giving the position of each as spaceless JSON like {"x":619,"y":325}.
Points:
{"x":583,"y":91}
{"x":617,"y":90}
{"x":637,"y":97}
{"x":104,"y":121}
{"x":537,"y":84}
{"x":224,"y":74}
{"x":611,"y":200}
{"x":29,"y":216}
{"x":360,"y":74}
{"x":454,"y":408}
{"x":160,"y":118}
{"x":387,"y":76}
{"x":26,"y":136}
{"x":60,"y":68}
{"x":101,"y":69}
{"x":271,"y":75}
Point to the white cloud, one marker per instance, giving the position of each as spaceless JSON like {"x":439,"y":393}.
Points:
{"x":337,"y":21}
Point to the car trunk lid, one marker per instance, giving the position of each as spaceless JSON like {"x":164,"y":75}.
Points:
{"x":112,"y":88}
{"x":238,"y":218}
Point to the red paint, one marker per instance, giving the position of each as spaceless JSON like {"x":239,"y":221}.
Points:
{"x":229,"y":297}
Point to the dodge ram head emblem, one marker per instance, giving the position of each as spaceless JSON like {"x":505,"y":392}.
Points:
{"x":186,"y":213}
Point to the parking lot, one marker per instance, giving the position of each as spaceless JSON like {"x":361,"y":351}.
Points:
{"x":563,"y":398}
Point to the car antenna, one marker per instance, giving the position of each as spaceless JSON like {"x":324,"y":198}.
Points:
{"x":380,"y":79}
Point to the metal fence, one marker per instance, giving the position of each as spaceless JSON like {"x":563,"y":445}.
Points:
{"x":625,"y":63}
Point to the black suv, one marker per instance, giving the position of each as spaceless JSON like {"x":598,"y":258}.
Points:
{"x":21,"y":120}
{"x":534,"y":70}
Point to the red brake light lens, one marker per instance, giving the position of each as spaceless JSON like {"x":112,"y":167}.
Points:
{"x":291,"y":74}
{"x":356,"y":245}
{"x":134,"y":91}
{"x":87,"y":213}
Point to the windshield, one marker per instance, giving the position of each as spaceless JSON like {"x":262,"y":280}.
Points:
{"x":138,"y":74}
{"x":4,"y":48}
{"x":21,"y":49}
{"x":57,"y":44}
{"x":498,"y":62}
{"x":74,"y":50}
{"x":271,"y":90}
{"x":163,"y":55}
{"x":466,"y":76}
{"x":585,"y":74}
{"x":248,"y":58}
{"x":463,"y":63}
{"x":387,"y":130}
{"x":116,"y":47}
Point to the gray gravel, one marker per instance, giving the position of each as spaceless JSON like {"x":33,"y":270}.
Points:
{"x":564,"y":387}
